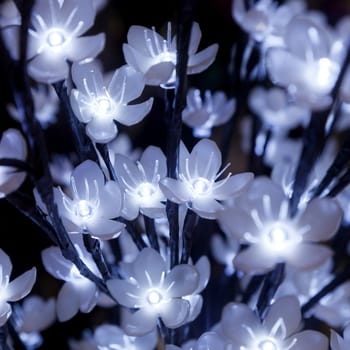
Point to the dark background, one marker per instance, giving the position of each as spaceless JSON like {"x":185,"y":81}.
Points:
{"x":20,"y":238}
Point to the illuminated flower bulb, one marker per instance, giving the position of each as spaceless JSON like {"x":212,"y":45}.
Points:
{"x":55,"y":38}
{"x":261,"y":219}
{"x":77,"y":293}
{"x":197,"y":184}
{"x":155,"y":292}
{"x":281,"y":329}
{"x":313,"y":54}
{"x":155,"y":57}
{"x":93,"y":204}
{"x":99,"y":100}
{"x":140,"y":183}
{"x":203,"y":114}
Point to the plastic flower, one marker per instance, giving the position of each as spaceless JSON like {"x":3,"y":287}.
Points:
{"x":148,"y":52}
{"x":100,"y":101}
{"x":12,"y":145}
{"x":46,"y":105}
{"x":155,"y":292}
{"x":196,"y":184}
{"x":309,"y":63}
{"x":280,"y":329}
{"x":265,"y":21}
{"x":261,"y":220}
{"x":55,"y":37}
{"x":203,"y":114}
{"x":340,"y":343}
{"x":140,"y":183}
{"x":110,"y":337}
{"x":14,"y":290}
{"x":276,"y":110}
{"x":77,"y":293}
{"x":91,"y":203}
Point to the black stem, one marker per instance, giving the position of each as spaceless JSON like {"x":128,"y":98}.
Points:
{"x":136,"y":237}
{"x":151,"y":232}
{"x":191,"y":220}
{"x":3,"y":338}
{"x":103,"y":149}
{"x":83,"y":145}
{"x":93,"y":246}
{"x":271,"y":282}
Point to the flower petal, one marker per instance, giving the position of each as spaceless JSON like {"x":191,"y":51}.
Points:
{"x":311,"y":340}
{"x":176,"y":191}
{"x":86,"y":47}
{"x":181,"y":280}
{"x":323,"y":216}
{"x":5,"y":313}
{"x":133,"y":114}
{"x":68,"y":302}
{"x":236,"y":321}
{"x":22,"y":285}
{"x":153,"y":162}
{"x":126,"y":293}
{"x":200,"y":61}
{"x":140,"y":322}
{"x":174,"y":312}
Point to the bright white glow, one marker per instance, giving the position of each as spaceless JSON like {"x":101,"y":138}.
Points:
{"x":267,"y":345}
{"x":84,"y":209}
{"x":201,"y":185}
{"x":278,"y":236}
{"x":104,"y":105}
{"x":145,"y":190}
{"x":154,"y":297}
{"x":55,"y":38}
{"x":326,"y":73}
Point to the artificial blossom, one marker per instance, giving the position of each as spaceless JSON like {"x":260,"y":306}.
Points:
{"x":183,"y":182}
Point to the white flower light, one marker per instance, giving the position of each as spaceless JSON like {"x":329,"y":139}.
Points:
{"x":148,"y":52}
{"x":89,"y":209}
{"x":54,"y":38}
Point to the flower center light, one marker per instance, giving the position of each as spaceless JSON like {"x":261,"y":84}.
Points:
{"x":267,"y":345}
{"x":104,"y":105}
{"x":201,"y":185}
{"x":145,"y":190}
{"x":55,"y":38}
{"x":278,"y":236}
{"x":154,"y":297}
{"x":84,"y":209}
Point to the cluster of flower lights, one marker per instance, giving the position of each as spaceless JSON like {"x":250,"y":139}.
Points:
{"x":148,"y":236}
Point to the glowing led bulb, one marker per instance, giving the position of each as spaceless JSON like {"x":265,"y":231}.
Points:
{"x":55,"y":38}
{"x":278,"y":235}
{"x":154,"y":297}
{"x":104,"y":105}
{"x":201,"y":185}
{"x":145,"y":190}
{"x":84,"y":209}
{"x":267,"y":345}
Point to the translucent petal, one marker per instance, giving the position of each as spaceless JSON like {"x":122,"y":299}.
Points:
{"x":195,"y":38}
{"x":133,"y":114}
{"x":88,"y":295}
{"x":128,"y":174}
{"x":181,"y":280}
{"x":210,"y":341}
{"x":203,"y":267}
{"x":22,"y":285}
{"x":6,"y":267}
{"x":149,"y":268}
{"x":234,"y":186}
{"x":126,"y":293}
{"x":206,"y":207}
{"x":105,"y":229}
{"x":10,"y":35}
{"x":255,"y":260}
{"x":236,"y":321}
{"x":174,"y":190}
{"x":48,"y":69}
{"x":175,"y":312}
{"x":49,"y":10}
{"x":309,"y":256}
{"x":140,"y":322}
{"x":86,"y":47}
{"x":68,"y":302}
{"x":310,"y":339}
{"x":202,"y":60}
{"x":84,"y":15}
{"x":88,"y":78}
{"x":287,"y":309}
{"x":127,"y":83}
{"x":159,"y":73}
{"x":323,"y":216}
{"x":205,"y":159}
{"x":153,"y":162}
{"x":110,"y":200}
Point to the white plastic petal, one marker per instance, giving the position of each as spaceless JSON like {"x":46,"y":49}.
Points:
{"x":5,"y":313}
{"x":236,"y":320}
{"x":6,"y":266}
{"x":202,"y":60}
{"x":133,"y":114}
{"x":153,"y":162}
{"x":140,"y":322}
{"x":22,"y":285}
{"x":323,"y":217}
{"x":68,"y":302}
{"x":174,"y":312}
{"x":310,"y":339}
{"x":181,"y":280}
{"x":126,"y":293}
{"x":174,"y":190}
